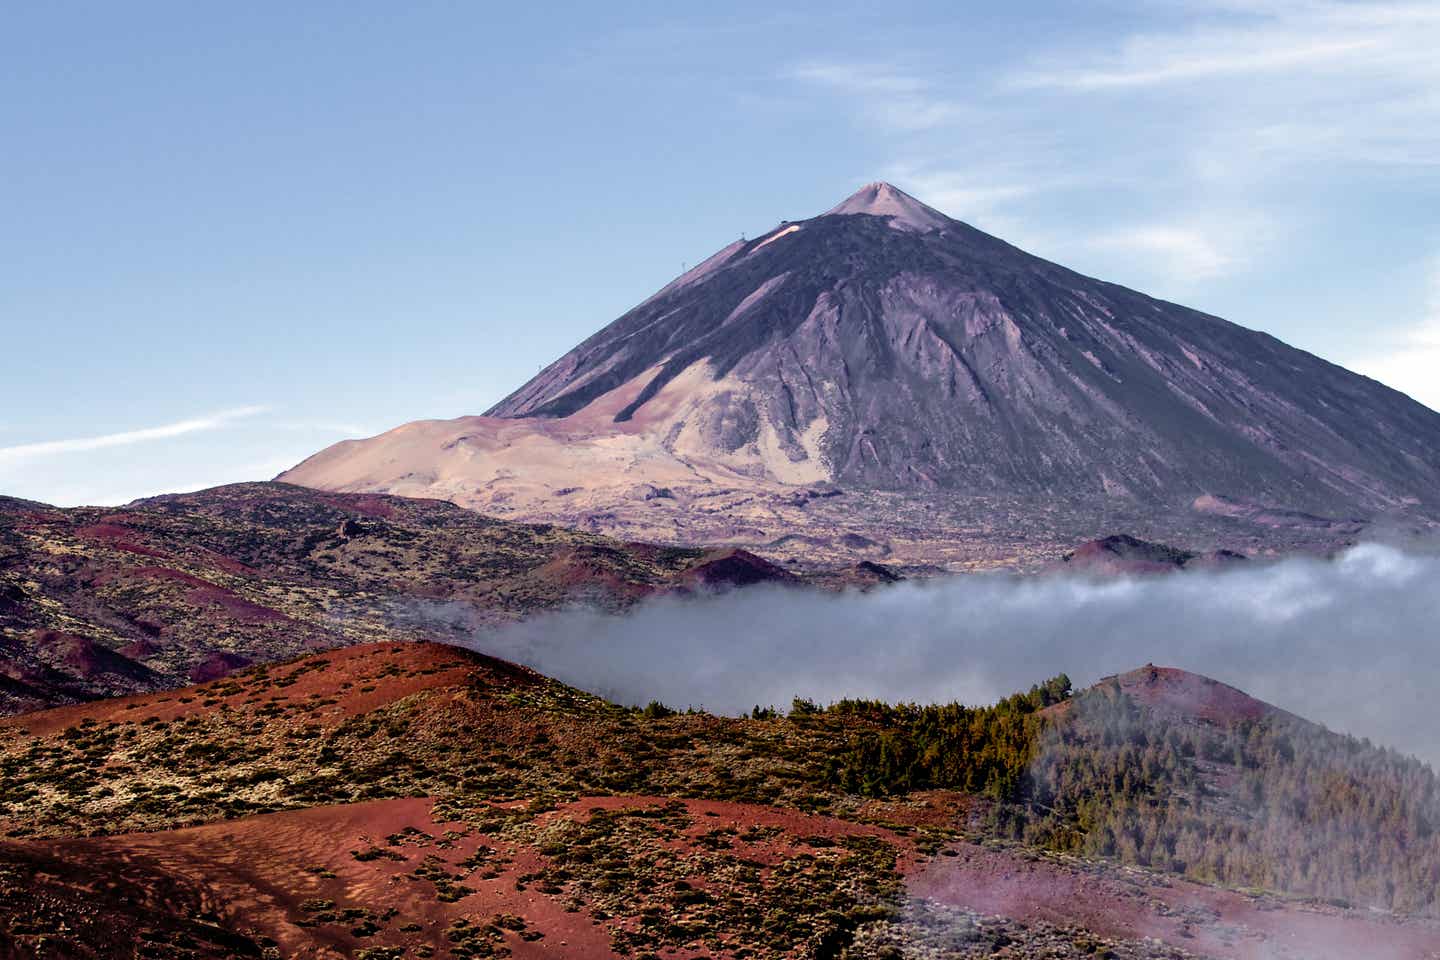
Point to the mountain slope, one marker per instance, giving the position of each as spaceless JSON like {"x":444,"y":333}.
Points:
{"x":884,"y":347}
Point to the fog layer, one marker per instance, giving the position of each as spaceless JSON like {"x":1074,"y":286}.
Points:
{"x":1353,"y":643}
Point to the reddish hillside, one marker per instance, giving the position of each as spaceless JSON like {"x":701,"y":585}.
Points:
{"x":425,"y":799}
{"x":324,"y":882}
{"x":331,"y":687}
{"x":1181,"y":694}
{"x":411,"y":875}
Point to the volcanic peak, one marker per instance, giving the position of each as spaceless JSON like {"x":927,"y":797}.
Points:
{"x":887,"y":350}
{"x":880,"y":199}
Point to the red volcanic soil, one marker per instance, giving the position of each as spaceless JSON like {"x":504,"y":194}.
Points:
{"x":358,"y":679}
{"x":591,"y":566}
{"x":289,"y":876}
{"x":923,"y":808}
{"x":267,"y":875}
{"x":118,"y":537}
{"x":113,"y":532}
{"x":1180,"y":693}
{"x":1128,"y":904}
{"x":104,"y":913}
{"x":229,"y":564}
{"x":717,"y":814}
{"x":205,"y":593}
{"x":162,"y":573}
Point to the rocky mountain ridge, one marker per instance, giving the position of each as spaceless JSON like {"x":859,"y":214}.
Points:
{"x":885,"y":350}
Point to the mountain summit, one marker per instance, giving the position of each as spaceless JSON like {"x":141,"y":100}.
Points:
{"x":880,"y":199}
{"x":883,"y":348}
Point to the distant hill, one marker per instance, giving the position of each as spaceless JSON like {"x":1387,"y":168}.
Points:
{"x":1124,"y":554}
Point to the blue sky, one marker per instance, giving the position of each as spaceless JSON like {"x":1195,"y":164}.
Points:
{"x":230,"y":235}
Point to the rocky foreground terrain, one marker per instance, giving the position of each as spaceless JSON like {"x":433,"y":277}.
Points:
{"x":413,"y":800}
{"x":881,"y":381}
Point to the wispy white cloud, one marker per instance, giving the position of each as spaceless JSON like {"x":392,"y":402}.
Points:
{"x":1173,"y":256}
{"x":1347,"y":81}
{"x":1174,"y":253}
{"x":886,"y":96}
{"x":1173,"y":156}
{"x":1183,"y":253}
{"x":47,"y":448}
{"x":1258,"y":86}
{"x":1149,"y":61}
{"x":1391,"y":39}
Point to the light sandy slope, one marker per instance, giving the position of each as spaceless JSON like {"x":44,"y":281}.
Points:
{"x":667,"y":457}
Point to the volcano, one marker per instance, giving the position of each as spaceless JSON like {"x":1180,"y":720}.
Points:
{"x":882,"y":369}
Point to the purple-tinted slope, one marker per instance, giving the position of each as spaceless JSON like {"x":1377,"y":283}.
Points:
{"x":941,"y":357}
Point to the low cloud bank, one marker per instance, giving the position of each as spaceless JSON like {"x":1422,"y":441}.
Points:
{"x":1353,"y":643}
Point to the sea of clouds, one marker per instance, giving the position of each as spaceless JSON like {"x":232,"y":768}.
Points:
{"x":1352,"y":642}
